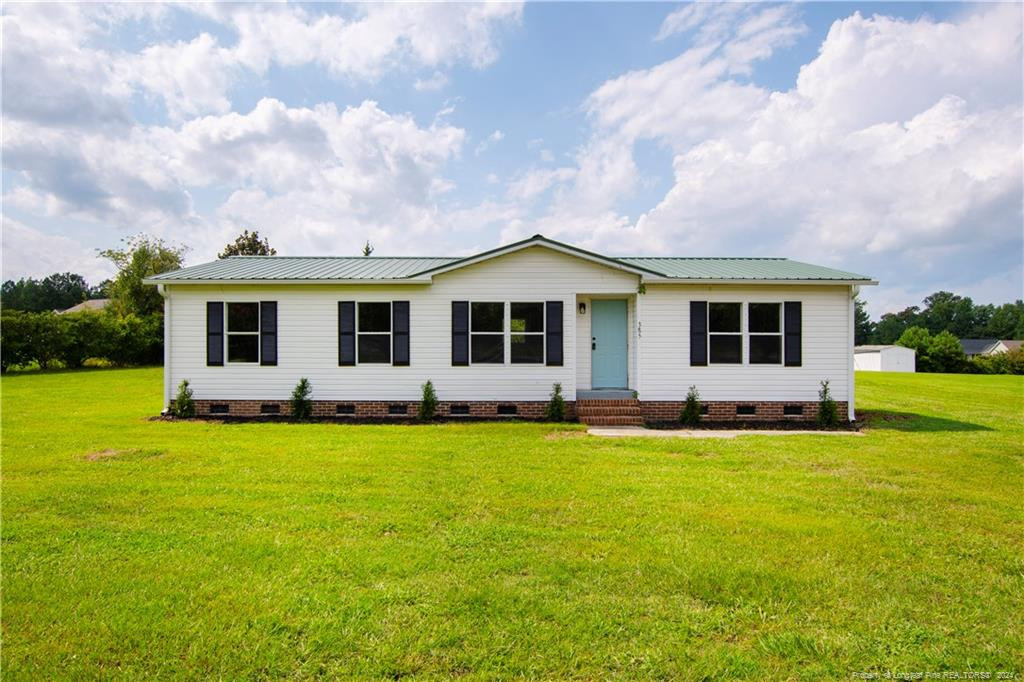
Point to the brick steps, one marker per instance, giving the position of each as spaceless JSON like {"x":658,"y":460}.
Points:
{"x":625,"y":412}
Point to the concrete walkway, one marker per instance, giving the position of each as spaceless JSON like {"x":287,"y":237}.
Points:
{"x":641,"y":432}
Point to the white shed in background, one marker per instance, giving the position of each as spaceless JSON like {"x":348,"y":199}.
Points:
{"x":884,"y":359}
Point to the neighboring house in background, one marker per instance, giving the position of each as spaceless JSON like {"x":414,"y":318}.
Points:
{"x":625,"y":337}
{"x":884,"y":359}
{"x":92,"y":305}
{"x":1006,"y":345}
{"x":974,"y":347}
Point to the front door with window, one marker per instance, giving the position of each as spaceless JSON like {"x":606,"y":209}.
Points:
{"x":609,"y":331}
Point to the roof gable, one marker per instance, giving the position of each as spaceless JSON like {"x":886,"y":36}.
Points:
{"x":538,"y":240}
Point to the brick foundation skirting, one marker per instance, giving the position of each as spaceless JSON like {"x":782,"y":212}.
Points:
{"x":651,"y":410}
{"x":383,"y":409}
{"x":774,"y":411}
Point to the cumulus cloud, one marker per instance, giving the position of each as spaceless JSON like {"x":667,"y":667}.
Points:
{"x":496,"y":136}
{"x":29,"y":252}
{"x":898,"y":151}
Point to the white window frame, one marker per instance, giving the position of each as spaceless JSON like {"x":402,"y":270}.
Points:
{"x":741,"y":333}
{"x":228,"y":334}
{"x":504,"y":334}
{"x":388,"y":333}
{"x":542,"y":333}
{"x":779,"y":334}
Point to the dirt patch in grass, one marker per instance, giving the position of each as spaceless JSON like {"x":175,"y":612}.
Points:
{"x":112,"y":454}
{"x":565,"y":435}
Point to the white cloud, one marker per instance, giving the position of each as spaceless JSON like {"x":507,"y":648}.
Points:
{"x":898,"y":152}
{"x":29,"y":252}
{"x":535,"y":182}
{"x":436,"y":81}
{"x":496,"y":136}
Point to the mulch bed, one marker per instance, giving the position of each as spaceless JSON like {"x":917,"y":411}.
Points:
{"x":755,"y":426}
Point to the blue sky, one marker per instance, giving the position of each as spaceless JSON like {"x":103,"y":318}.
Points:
{"x":880,"y":138}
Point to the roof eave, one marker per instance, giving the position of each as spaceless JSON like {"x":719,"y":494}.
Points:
{"x":714,"y":280}
{"x":403,"y":280}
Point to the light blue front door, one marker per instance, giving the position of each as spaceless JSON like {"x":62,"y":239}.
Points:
{"x":608,"y":329}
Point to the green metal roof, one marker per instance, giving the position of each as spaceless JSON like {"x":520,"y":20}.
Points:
{"x":302,"y":268}
{"x":740,"y":268}
{"x":349,"y":268}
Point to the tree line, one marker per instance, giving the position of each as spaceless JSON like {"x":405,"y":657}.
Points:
{"x":943,"y":311}
{"x":128,"y":331}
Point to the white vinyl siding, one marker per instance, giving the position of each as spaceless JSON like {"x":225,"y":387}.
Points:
{"x":665,"y":359}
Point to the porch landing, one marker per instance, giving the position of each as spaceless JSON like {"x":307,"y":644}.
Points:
{"x":605,"y":394}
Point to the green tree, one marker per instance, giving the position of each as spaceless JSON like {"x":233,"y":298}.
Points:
{"x":142,"y":256}
{"x":54,"y":292}
{"x":945,"y":354}
{"x":248,"y":244}
{"x":1006,"y":322}
{"x":920,"y":339}
{"x":892,"y":325}
{"x":863,"y":327}
{"x":946,"y":311}
{"x":367,"y":248}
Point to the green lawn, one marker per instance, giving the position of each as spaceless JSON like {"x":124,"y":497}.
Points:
{"x":508,"y":550}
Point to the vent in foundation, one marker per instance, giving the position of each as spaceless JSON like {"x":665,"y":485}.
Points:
{"x":746,"y":410}
{"x":459,"y":410}
{"x":793,"y":410}
{"x":219,"y":408}
{"x":345,"y":409}
{"x":703,"y":409}
{"x":507,"y":409}
{"x":270,"y":408}
{"x":398,"y":408}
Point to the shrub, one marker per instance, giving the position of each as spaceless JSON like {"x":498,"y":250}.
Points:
{"x":690,"y":416}
{"x":183,"y":405}
{"x":15,"y":339}
{"x":428,"y":403}
{"x":945,"y":354}
{"x":920,"y":339}
{"x":555,"y":411}
{"x":1011,"y":362}
{"x":828,"y":412}
{"x":302,"y":406}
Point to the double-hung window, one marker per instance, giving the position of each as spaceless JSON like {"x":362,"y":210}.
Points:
{"x":243,"y":332}
{"x":526,"y":325}
{"x":373,"y":334}
{"x":725,"y":333}
{"x":764,"y":325}
{"x":487,"y":333}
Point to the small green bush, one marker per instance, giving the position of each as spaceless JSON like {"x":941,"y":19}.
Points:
{"x":183,"y":406}
{"x":555,"y":411}
{"x":428,"y":403}
{"x":828,"y":412}
{"x":302,"y":406}
{"x":690,"y":416}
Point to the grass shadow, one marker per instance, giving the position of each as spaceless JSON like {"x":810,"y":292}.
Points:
{"x":909,"y":421}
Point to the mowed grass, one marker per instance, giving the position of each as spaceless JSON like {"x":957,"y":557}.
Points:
{"x":144,"y":549}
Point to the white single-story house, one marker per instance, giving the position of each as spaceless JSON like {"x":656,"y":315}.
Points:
{"x":884,"y":359}
{"x":625,"y":337}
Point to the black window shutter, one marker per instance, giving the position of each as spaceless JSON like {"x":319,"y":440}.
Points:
{"x":215,"y":333}
{"x":553,"y":331}
{"x":400,"y":333}
{"x":460,"y":333}
{"x":698,"y":333}
{"x":268,"y":332}
{"x":793,"y":345}
{"x":346,"y":332}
